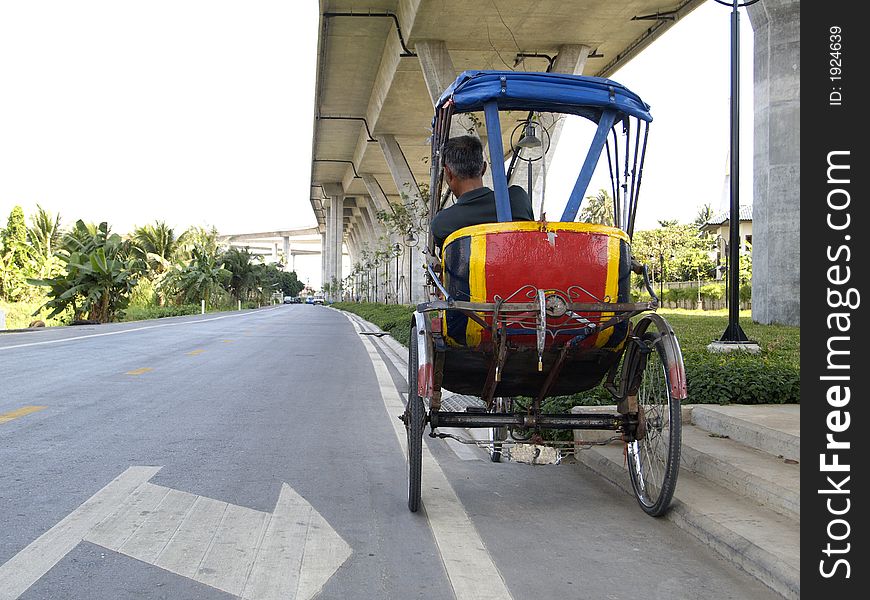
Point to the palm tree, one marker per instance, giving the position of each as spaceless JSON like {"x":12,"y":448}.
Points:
{"x":157,"y":244}
{"x":45,"y":233}
{"x":244,"y":275}
{"x":203,"y":278}
{"x":705,"y":213}
{"x":598,"y":209}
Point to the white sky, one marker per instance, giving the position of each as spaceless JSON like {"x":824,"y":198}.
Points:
{"x":199,"y":112}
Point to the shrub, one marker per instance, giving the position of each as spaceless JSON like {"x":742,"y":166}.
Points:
{"x":141,"y":313}
{"x":395,"y":319}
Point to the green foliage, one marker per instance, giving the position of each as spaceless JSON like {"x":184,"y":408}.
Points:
{"x":704,"y":214}
{"x":143,"y":295}
{"x":15,"y":259}
{"x":598,"y":209}
{"x":99,"y":272}
{"x":20,"y":315}
{"x":202,"y":278}
{"x":157,"y":245}
{"x":395,"y":319}
{"x":141,"y":313}
{"x":674,"y":253}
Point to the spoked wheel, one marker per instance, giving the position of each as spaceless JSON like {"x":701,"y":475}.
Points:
{"x":415,"y":420}
{"x":654,"y":458}
{"x":500,"y":405}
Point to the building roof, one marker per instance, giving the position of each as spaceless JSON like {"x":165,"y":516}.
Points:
{"x":724,"y":216}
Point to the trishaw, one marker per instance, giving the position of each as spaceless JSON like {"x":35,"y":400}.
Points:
{"x":523,"y":311}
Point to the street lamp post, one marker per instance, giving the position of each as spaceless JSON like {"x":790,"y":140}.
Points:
{"x":410,"y":240}
{"x":734,"y":333}
{"x":661,"y":276}
{"x":396,"y":250}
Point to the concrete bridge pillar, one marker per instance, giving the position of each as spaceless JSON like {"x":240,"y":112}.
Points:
{"x":571,"y":59}
{"x":334,"y":236}
{"x":776,"y":183}
{"x":439,"y":73}
{"x":287,"y":258}
{"x":407,"y":186}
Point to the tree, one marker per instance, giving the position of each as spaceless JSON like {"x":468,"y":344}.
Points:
{"x":157,"y":245}
{"x":674,"y":253}
{"x":15,"y":258}
{"x":703,"y":216}
{"x":99,"y":273}
{"x":44,"y":233}
{"x":598,"y":209}
{"x":202,"y":278}
{"x":244,"y":277}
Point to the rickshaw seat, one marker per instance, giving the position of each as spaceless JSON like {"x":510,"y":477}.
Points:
{"x":585,"y":262}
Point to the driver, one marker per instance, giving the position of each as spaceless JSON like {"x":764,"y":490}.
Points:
{"x":475,"y":204}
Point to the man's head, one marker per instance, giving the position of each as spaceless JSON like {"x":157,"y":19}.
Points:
{"x":463,"y":164}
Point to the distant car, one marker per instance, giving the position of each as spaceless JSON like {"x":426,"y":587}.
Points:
{"x":318,"y":300}
{"x":309,"y":300}
{"x":288,"y":300}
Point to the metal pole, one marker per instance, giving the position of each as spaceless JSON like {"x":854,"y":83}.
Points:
{"x":662,"y":277}
{"x":734,"y":333}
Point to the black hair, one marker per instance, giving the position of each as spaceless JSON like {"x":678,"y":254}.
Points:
{"x":464,"y":156}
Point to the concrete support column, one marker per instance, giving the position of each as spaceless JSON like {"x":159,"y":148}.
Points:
{"x":324,"y":244}
{"x":286,"y":240}
{"x":776,"y":184}
{"x":334,"y":235}
{"x":439,"y":73}
{"x":571,"y":60}
{"x":408,"y":188}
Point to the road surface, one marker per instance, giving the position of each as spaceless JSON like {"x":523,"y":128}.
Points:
{"x":257,"y":454}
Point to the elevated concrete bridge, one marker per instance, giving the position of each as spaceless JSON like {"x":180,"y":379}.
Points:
{"x":292,"y":242}
{"x":383,"y":63}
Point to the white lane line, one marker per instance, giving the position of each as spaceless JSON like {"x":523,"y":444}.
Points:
{"x":26,"y":567}
{"x":470,"y":568}
{"x":96,"y":335}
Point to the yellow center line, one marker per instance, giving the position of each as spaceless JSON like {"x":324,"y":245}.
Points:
{"x":24,"y":410}
{"x":139,"y":371}
{"x":195,"y":352}
{"x":227,"y":341}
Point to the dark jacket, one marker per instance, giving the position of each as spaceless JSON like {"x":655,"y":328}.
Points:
{"x":477,"y":207}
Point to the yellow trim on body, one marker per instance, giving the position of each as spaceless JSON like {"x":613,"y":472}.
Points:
{"x":475,"y":230}
{"x":476,"y":286}
{"x":611,"y":287}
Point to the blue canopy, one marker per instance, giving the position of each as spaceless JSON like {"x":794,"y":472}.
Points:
{"x":549,"y":92}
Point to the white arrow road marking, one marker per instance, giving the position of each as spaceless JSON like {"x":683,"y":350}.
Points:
{"x":26,"y":567}
{"x":470,"y":568}
{"x":288,"y":554}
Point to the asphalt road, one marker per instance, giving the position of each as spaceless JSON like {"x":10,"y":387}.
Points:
{"x":277,"y":429}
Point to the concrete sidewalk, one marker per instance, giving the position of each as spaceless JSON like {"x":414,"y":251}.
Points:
{"x":738,"y":489}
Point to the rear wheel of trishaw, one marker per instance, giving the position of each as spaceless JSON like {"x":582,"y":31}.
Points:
{"x":415,"y":421}
{"x":654,"y":458}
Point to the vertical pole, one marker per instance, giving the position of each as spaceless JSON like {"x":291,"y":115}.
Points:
{"x":734,"y":333}
{"x":203,"y":306}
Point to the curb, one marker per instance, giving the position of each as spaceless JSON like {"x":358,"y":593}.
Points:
{"x":761,"y":564}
